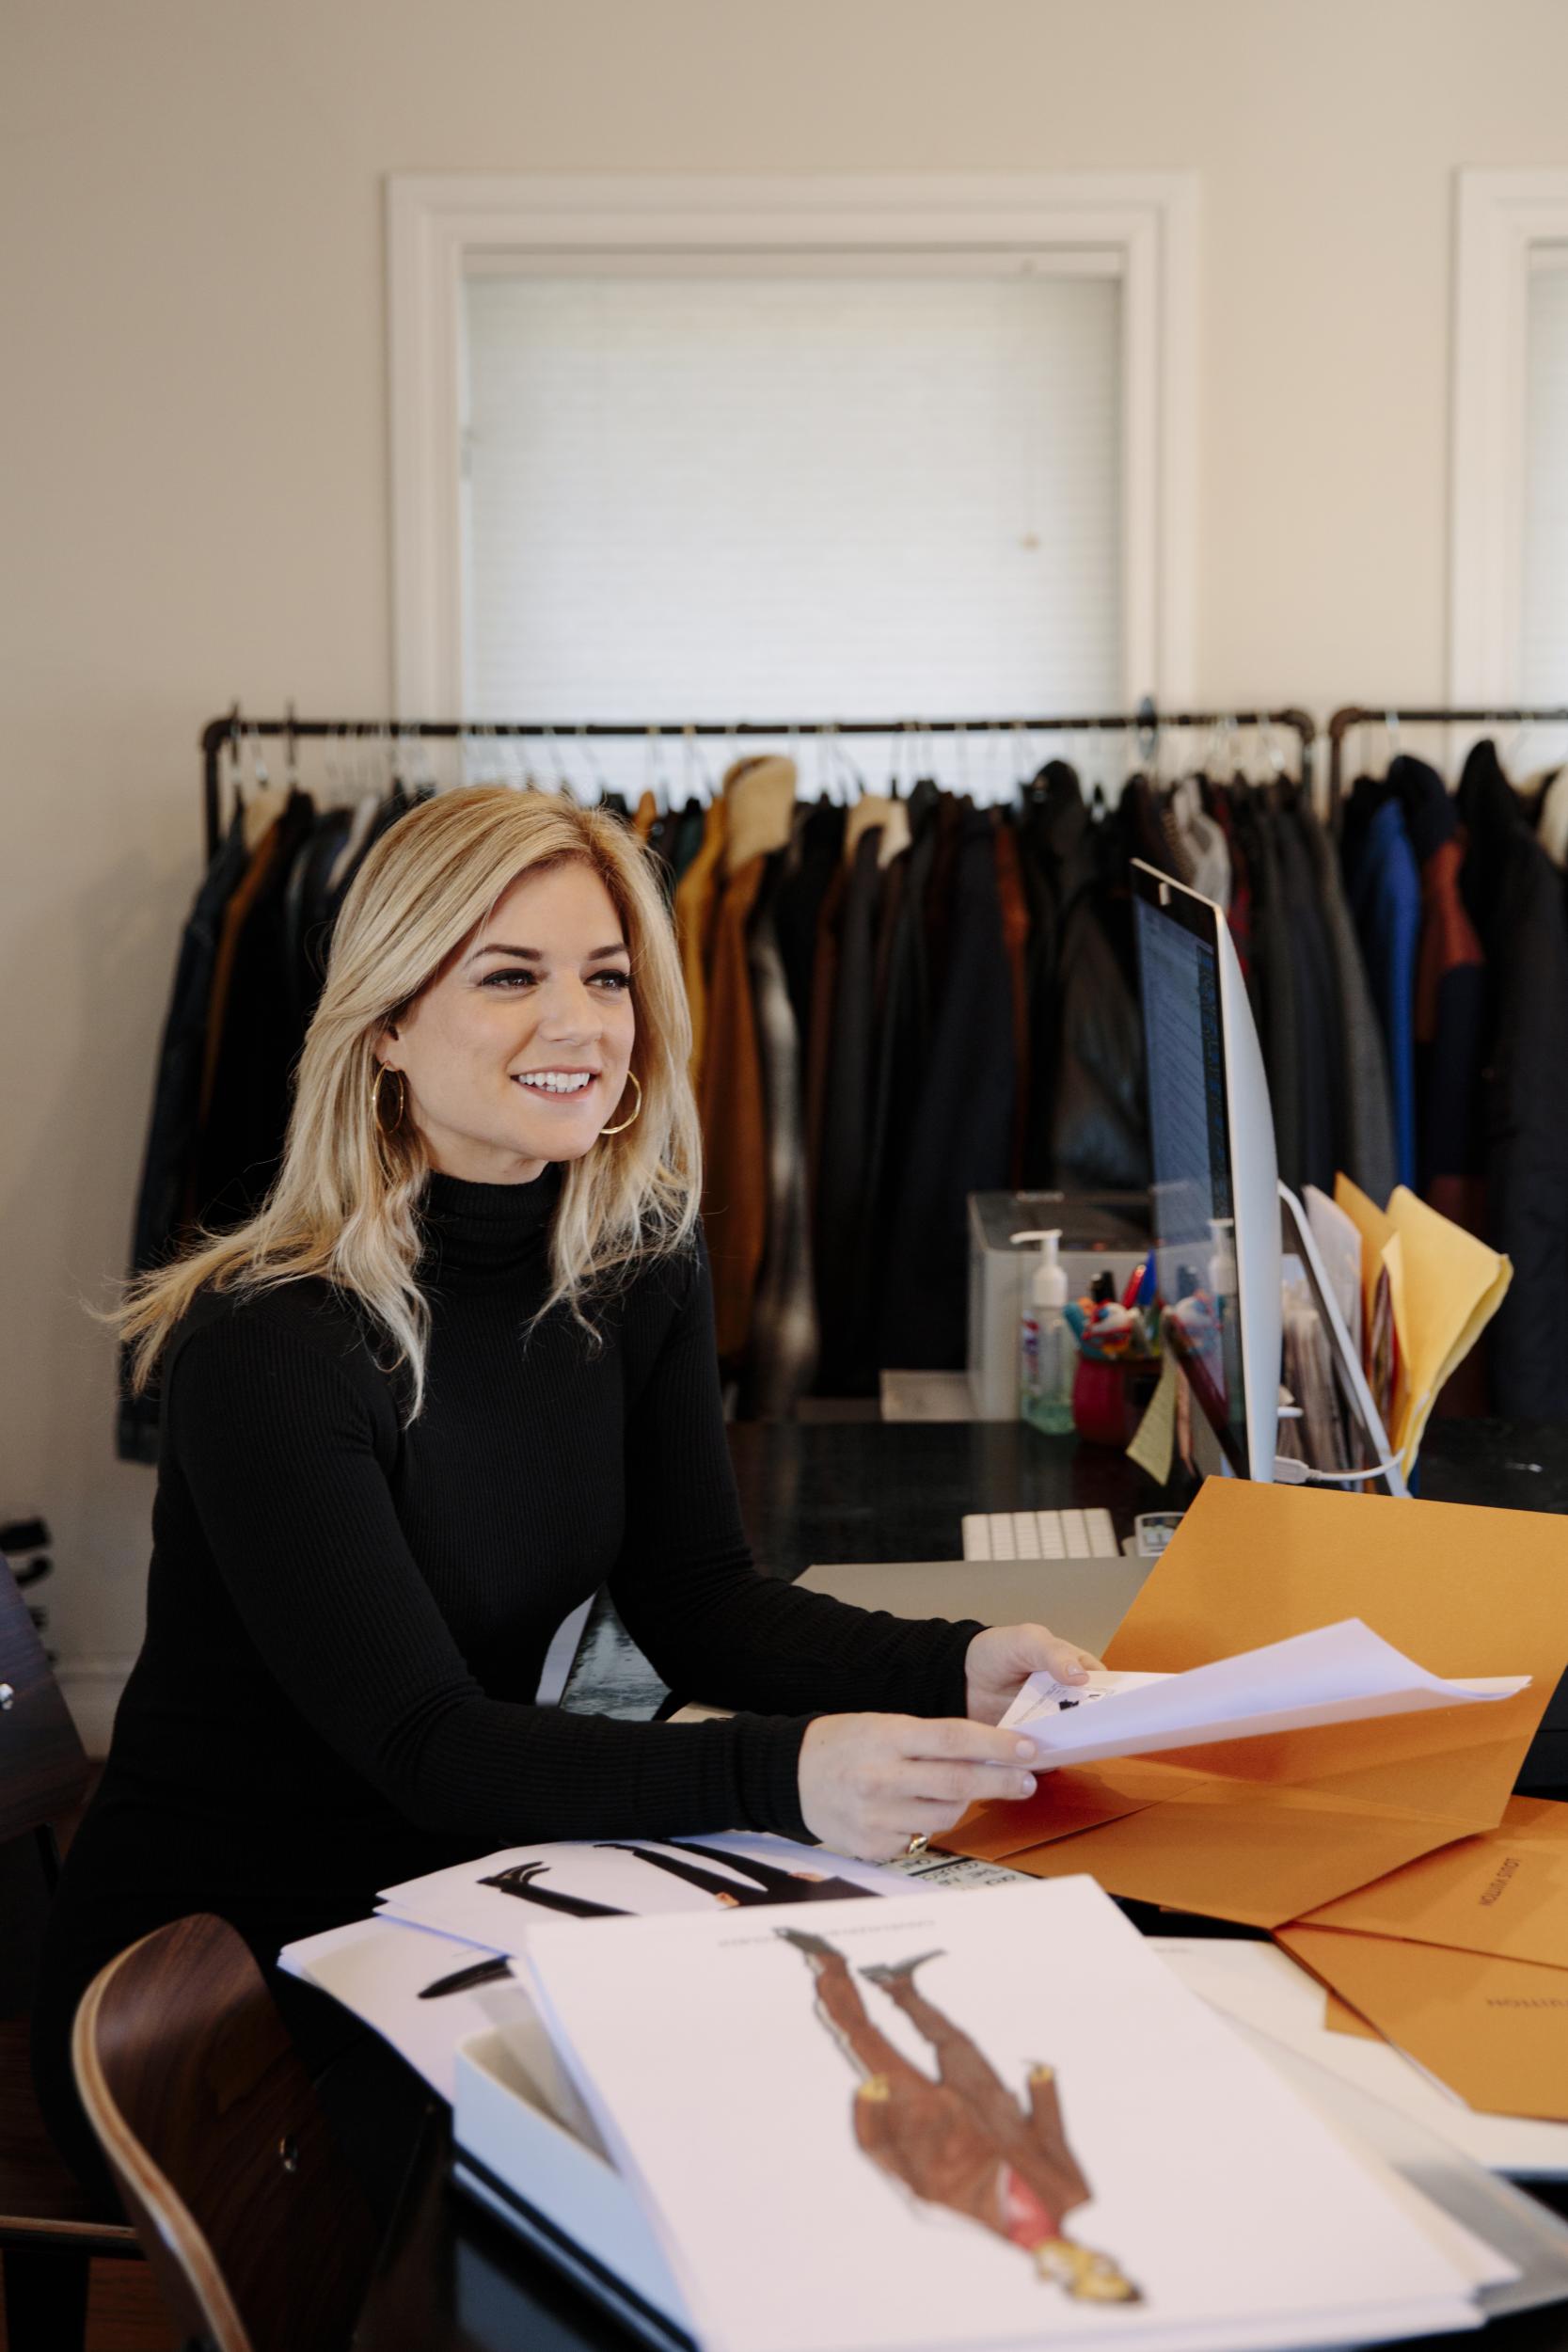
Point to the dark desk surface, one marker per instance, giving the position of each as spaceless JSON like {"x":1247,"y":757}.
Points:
{"x":453,"y":2279}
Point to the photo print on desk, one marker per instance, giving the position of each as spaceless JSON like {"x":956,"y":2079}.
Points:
{"x":962,"y":2141}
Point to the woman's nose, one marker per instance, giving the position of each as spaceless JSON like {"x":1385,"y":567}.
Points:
{"x":570,"y":1008}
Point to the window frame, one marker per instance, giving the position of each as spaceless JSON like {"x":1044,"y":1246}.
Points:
{"x":1501,"y":217}
{"x":1140,"y":226}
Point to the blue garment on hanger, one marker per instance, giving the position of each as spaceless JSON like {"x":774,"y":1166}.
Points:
{"x":1384,"y":884}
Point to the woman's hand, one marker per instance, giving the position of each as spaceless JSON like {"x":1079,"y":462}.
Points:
{"x":1000,"y":1660}
{"x":870,"y":1783}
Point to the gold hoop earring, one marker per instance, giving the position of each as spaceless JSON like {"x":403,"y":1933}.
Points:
{"x":383,"y":1125}
{"x":632,"y":1079}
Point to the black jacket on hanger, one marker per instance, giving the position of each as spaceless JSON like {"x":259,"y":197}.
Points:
{"x":842,"y":1234}
{"x":1319,"y":1047}
{"x":241,"y":1138}
{"x":176,"y":1106}
{"x":1514,"y":897}
{"x":797,"y":903}
{"x":1099,"y":1127}
{"x":1272,"y":978}
{"x":962,"y":1136}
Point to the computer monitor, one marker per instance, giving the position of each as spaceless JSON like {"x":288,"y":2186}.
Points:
{"x":1216,"y":1180}
{"x":1222,"y":1220}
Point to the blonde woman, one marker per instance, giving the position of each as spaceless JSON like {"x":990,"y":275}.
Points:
{"x":457,"y":1373}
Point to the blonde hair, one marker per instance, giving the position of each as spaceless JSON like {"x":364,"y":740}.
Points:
{"x":344,"y":1202}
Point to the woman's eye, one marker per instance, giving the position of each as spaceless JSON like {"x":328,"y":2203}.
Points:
{"x":513,"y":976}
{"x":617,"y":981}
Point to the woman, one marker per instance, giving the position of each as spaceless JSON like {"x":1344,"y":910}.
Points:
{"x":458,"y":1372}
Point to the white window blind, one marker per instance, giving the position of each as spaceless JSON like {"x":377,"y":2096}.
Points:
{"x":812,"y":493}
{"x":1544,"y":650}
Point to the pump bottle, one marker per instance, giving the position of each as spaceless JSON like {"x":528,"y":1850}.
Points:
{"x":1048,"y":1356}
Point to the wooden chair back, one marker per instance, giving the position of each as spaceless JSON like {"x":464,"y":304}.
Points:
{"x":258,"y":2234}
{"x":43,"y":1766}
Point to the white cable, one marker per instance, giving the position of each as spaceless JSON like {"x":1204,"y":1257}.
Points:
{"x":1289,"y":1473}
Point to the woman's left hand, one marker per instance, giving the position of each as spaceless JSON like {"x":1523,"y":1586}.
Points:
{"x":1000,"y":1660}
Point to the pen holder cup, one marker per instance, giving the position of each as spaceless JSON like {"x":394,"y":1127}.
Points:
{"x":1109,"y":1400}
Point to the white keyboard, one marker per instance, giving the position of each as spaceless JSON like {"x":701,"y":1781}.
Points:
{"x":1039,"y":1535}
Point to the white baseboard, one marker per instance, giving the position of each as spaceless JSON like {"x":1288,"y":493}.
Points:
{"x":92,"y":1689}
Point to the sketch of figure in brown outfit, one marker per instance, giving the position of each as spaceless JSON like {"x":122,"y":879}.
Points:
{"x":962,"y":2141}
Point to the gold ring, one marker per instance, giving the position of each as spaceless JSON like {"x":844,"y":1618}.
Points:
{"x":917,"y":1845}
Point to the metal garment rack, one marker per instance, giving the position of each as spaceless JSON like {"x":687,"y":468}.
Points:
{"x":232,"y":731}
{"x":1355,"y":715}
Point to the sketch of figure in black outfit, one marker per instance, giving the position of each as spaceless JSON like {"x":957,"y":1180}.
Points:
{"x":519,"y":1880}
{"x":770,"y":1884}
{"x":962,"y":2141}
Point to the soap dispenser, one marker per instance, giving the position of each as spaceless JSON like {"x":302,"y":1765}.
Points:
{"x":1048,"y":1354}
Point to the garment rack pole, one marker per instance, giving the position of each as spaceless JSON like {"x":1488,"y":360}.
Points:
{"x":232,"y":730}
{"x":1356,"y":715}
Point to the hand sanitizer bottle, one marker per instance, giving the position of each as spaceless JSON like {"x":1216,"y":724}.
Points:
{"x":1048,"y":1356}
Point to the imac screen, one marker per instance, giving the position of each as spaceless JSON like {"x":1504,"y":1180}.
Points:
{"x":1192,"y":1197}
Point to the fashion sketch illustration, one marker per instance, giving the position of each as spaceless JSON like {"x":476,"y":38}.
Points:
{"x":754,"y":1882}
{"x":521,"y":1879}
{"x":961,"y":2141}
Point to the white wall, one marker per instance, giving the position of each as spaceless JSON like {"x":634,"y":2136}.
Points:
{"x":193,"y":432}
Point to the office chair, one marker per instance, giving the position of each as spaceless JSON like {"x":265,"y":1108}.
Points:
{"x":257,"y":2233}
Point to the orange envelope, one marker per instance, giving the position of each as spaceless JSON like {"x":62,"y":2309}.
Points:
{"x":1262,"y":1831}
{"x":1504,"y":1893}
{"x":1080,"y":1797}
{"x":1494,"y":2031}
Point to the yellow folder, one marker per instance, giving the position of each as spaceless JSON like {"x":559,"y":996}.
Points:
{"x":1446,"y":1287}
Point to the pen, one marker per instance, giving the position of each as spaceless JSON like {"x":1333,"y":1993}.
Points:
{"x":481,"y":1973}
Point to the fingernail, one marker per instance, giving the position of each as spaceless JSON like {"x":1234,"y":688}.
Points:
{"x":1027,"y":1750}
{"x":1077,"y":1673}
{"x":1026,"y":1785}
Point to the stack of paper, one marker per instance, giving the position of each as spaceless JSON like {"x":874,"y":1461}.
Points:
{"x":1264,"y":1830}
{"x":1461,"y":1960}
{"x":979,"y":2120}
{"x":418,"y":1971}
{"x":1342,"y":1673}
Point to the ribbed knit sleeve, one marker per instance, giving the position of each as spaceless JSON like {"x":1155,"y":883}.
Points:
{"x":690,"y":1595}
{"x":276,"y":1446}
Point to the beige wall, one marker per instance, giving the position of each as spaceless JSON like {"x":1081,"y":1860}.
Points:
{"x":195,"y":449}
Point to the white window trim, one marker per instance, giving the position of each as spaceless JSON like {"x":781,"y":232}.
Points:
{"x":1501,"y":216}
{"x":1143,"y":226}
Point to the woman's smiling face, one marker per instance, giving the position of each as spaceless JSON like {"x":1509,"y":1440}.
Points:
{"x":517,"y":1051}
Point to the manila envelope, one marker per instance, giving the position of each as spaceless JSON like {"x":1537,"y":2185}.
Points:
{"x":1079,"y":1797}
{"x":1493,"y":2030}
{"x":1503,"y":1893}
{"x":1261,"y":1831}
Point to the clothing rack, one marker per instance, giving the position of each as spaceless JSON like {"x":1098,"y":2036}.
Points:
{"x":1355,"y":715}
{"x":231,"y":731}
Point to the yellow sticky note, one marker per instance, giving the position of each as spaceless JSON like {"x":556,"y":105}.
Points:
{"x":1155,"y":1440}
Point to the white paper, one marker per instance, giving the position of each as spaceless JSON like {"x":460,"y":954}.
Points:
{"x":1264,"y":1987}
{"x":1341,"y":1674}
{"x":458,"y":1901}
{"x":731,"y":2103}
{"x":378,"y":1968}
{"x":1340,"y":1247}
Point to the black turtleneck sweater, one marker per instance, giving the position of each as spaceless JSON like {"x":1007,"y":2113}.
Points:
{"x":347,"y":1617}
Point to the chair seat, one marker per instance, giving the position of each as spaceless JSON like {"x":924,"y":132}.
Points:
{"x":39,"y":2192}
